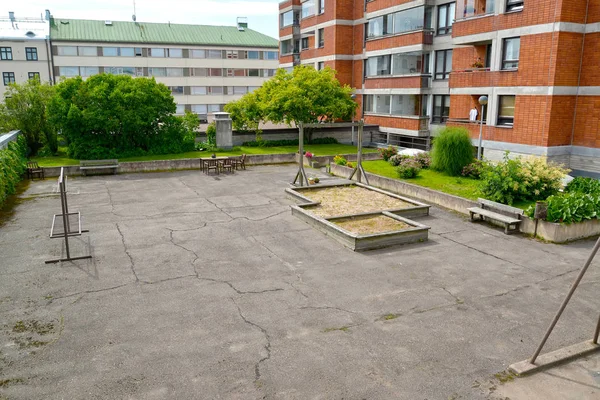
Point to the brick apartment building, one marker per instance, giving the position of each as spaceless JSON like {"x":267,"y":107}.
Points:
{"x":421,"y":64}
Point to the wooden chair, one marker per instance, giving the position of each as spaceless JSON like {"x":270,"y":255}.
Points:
{"x":226,"y":164}
{"x":211,"y":164}
{"x":34,"y":169}
{"x":239,"y":162}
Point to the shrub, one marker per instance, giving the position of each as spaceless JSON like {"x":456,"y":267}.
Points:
{"x":452,"y":151}
{"x":571,"y":207}
{"x":515,"y":180}
{"x":424,"y":159}
{"x":288,"y":142}
{"x":386,"y":154}
{"x":340,"y":160}
{"x":397,"y":159}
{"x":211,"y":134}
{"x":349,"y":165}
{"x":474,"y":170}
{"x":12,"y":166}
{"x":583,"y":185}
{"x":325,"y":140}
{"x":409,"y":168}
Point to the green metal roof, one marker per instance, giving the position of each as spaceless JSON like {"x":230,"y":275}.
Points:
{"x":81,"y":30}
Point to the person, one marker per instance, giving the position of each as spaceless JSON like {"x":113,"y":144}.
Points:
{"x":473,"y":114}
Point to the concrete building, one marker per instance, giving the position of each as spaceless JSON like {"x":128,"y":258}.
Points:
{"x":24,"y":50}
{"x":204,"y":66}
{"x":421,"y":64}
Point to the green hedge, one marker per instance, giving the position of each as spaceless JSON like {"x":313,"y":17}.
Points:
{"x":288,"y":142}
{"x":13,"y":164}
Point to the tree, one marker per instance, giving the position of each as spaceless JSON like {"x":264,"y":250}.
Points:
{"x":25,"y":109}
{"x":110,"y":116}
{"x":246,"y":113}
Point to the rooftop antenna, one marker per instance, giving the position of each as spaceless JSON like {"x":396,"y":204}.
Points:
{"x":133,"y":16}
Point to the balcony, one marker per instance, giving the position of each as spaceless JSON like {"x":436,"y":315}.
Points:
{"x":466,"y":9}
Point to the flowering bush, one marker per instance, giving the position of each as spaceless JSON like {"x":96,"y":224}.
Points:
{"x":340,"y":160}
{"x":424,"y":159}
{"x":514,"y":180}
{"x":387,"y":153}
{"x":474,"y":170}
{"x":308,"y":154}
{"x":349,"y":165}
{"x":397,"y":159}
{"x":408,"y":168}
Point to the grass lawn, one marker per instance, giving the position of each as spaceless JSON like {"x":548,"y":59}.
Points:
{"x":317,"y":149}
{"x":456,"y":185}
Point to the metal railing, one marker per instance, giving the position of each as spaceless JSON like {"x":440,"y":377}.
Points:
{"x":7,"y":138}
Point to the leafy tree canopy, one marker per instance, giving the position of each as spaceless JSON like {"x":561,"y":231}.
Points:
{"x":109,"y":116}
{"x":24,"y":108}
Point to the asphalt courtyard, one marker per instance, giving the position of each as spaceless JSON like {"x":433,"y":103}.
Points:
{"x":205,"y":287}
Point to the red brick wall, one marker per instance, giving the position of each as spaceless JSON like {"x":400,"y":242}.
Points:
{"x":288,"y":30}
{"x":593,"y":12}
{"x":286,"y":59}
{"x":357,"y":76}
{"x":566,"y":59}
{"x":343,"y":39}
{"x":590,"y":71}
{"x":344,"y":70}
{"x":385,"y":83}
{"x":393,"y":122}
{"x":560,"y":116}
{"x":587,"y":122}
{"x":377,"y":5}
{"x":343,"y":9}
{"x":573,"y":11}
{"x":358,"y":39}
{"x":395,"y":41}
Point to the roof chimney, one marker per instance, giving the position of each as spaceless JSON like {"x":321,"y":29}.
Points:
{"x":242,"y":23}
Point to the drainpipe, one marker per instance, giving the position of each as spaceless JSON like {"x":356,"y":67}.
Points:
{"x":49,"y":61}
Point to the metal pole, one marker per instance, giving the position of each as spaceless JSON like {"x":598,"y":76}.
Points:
{"x":566,"y":301}
{"x":301,"y":174}
{"x":595,"y":341}
{"x":65,"y":216}
{"x":480,"y":134}
{"x":352,"y":129}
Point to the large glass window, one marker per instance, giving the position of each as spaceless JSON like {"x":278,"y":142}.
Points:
{"x":253,"y":55}
{"x":441,"y":108}
{"x":198,"y":90}
{"x":514,"y":5}
{"x":445,"y":18}
{"x":199,"y":108}
{"x":198,"y":71}
{"x":63,"y":51}
{"x":213,"y":108}
{"x":443,"y":64}
{"x":215,"y":72}
{"x":379,"y":26}
{"x":270,"y":55}
{"x":506,"y":110}
{"x":31,"y":53}
{"x":174,"y":71}
{"x":175,"y":53}
{"x":157,"y":71}
{"x":88,"y":71}
{"x":321,"y":6}
{"x":240,"y":89}
{"x":176,"y":90}
{"x":287,"y":46}
{"x":120,"y":70}
{"x":378,"y":66}
{"x":33,"y":75}
{"x":403,"y":21}
{"x":8,"y":77}
{"x":378,"y":104}
{"x":407,"y":63}
{"x":510,"y":53}
{"x":88,"y":51}
{"x":180,"y":109}
{"x":253,"y":72}
{"x":127,"y":52}
{"x":406,"y":104}
{"x":198,"y":53}
{"x":216,"y":90}
{"x":68,"y":71}
{"x":215,"y":54}
{"x":110,"y":51}
{"x":287,"y":18}
{"x":308,"y":8}
{"x":155,"y":52}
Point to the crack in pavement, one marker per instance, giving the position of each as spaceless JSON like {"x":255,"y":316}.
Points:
{"x":127,"y":252}
{"x":456,"y":298}
{"x":327,"y":308}
{"x":257,"y":374}
{"x":88,"y":292}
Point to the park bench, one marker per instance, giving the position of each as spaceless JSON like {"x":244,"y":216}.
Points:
{"x":34,"y":169}
{"x":508,"y":216}
{"x":86,"y":165}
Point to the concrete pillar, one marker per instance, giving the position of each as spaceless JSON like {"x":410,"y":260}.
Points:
{"x":224,"y":130}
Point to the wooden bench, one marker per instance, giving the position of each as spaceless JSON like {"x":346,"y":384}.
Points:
{"x":509,"y":216}
{"x":86,"y":165}
{"x":34,"y":169}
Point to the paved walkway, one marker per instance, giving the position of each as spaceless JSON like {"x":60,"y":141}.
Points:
{"x":206,"y":287}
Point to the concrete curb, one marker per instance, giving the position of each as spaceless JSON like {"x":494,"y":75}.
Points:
{"x":554,"y":358}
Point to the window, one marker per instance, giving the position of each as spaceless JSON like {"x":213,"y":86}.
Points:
{"x":157,"y":53}
{"x":320,"y":65}
{"x":198,"y":53}
{"x":287,"y":18}
{"x":215,"y":90}
{"x":8,"y":77}
{"x":380,"y":26}
{"x":443,"y":64}
{"x":198,"y":71}
{"x":510,"y":53}
{"x":138,"y":52}
{"x":6,"y":53}
{"x":269,"y":72}
{"x":198,"y":90}
{"x":157,"y":72}
{"x":68,"y":71}
{"x":139,"y":71}
{"x":378,"y":66}
{"x":120,"y":71}
{"x":514,"y":5}
{"x":321,"y":34}
{"x":406,"y":104}
{"x":441,"y":109}
{"x":253,"y":72}
{"x":305,"y":43}
{"x":506,"y":110}
{"x":232,"y":54}
{"x":174,"y":71}
{"x":270,"y":55}
{"x":214,"y":108}
{"x":379,"y":104}
{"x":199,"y":108}
{"x":488,"y":56}
{"x":252,"y":88}
{"x":31,"y":53}
{"x":239,"y":72}
{"x":33,"y":75}
{"x":88,"y":51}
{"x":89,"y":71}
{"x":321,"y":6}
{"x":110,"y":51}
{"x":127,"y":52}
{"x":403,"y":21}
{"x":175,"y":53}
{"x":215,"y":54}
{"x":407,"y":63}
{"x":253,"y":55}
{"x":286,"y":46}
{"x":445,"y":18}
{"x":176,"y":90}
{"x":180,"y":109}
{"x":65,"y":50}
{"x":215,"y":72}
{"x":240,"y":89}
{"x":308,"y":8}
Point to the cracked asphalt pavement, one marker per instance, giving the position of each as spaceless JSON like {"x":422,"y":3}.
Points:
{"x":205,"y":287}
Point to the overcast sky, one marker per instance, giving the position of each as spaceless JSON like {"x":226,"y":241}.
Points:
{"x":261,"y":14}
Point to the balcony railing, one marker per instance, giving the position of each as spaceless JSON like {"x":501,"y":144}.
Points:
{"x":474,"y":8}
